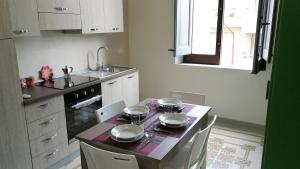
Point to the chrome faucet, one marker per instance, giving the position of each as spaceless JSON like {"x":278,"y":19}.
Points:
{"x":98,"y":64}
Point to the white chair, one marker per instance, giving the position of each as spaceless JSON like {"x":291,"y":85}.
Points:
{"x":102,"y":159}
{"x":188,"y":97}
{"x":192,"y":155}
{"x":109,"y":111}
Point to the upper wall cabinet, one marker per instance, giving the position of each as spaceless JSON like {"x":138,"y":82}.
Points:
{"x":113,"y":11}
{"x":92,"y":16}
{"x":102,"y":16}
{"x":24,"y":18}
{"x":59,"y":6}
{"x":59,"y":14}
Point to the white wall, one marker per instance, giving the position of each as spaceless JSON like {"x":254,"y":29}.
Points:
{"x":234,"y":94}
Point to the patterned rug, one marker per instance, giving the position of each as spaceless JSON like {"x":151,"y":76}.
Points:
{"x":233,"y":150}
{"x":226,"y":150}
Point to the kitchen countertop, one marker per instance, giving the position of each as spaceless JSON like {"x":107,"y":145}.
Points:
{"x":39,"y":93}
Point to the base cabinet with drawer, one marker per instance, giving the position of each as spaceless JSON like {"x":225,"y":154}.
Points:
{"x":47,"y":132}
{"x":123,"y":88}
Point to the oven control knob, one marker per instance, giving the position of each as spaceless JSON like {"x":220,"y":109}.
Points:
{"x":92,"y":90}
{"x":84,"y":93}
{"x":76,"y":96}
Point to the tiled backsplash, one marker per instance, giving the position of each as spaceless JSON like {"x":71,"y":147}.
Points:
{"x":58,"y":49}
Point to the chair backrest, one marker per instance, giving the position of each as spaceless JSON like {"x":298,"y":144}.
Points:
{"x":188,"y":97}
{"x":109,"y":111}
{"x":199,"y":144}
{"x":102,"y":159}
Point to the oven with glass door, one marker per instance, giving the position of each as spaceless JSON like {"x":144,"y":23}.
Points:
{"x":80,"y":107}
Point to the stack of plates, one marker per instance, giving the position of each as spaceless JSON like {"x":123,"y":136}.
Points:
{"x":136,"y":110}
{"x":169,"y":102}
{"x":127,"y":133}
{"x":173,"y":120}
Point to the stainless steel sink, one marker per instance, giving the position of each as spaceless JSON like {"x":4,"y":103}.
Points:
{"x":114,"y":69}
{"x":107,"y":71}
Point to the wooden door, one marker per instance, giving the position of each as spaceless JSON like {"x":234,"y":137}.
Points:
{"x":282,"y":143}
{"x":92,"y":16}
{"x":24,"y":18}
{"x":131,"y":89}
{"x":113,"y":11}
{"x":14,"y":144}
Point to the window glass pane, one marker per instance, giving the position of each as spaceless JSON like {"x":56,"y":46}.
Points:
{"x":240,"y":17}
{"x":205,"y":27}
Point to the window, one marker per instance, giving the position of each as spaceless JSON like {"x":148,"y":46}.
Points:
{"x":224,"y":32}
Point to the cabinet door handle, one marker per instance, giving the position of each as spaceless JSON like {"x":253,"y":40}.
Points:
{"x":50,"y":155}
{"x":111,"y":83}
{"x":47,"y":140}
{"x":94,"y":29}
{"x":47,"y":122}
{"x":130,"y":77}
{"x":43,"y":106}
{"x":21,"y":31}
{"x":61,"y":9}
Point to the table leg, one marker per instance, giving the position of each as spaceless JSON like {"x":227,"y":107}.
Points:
{"x":83,"y":160}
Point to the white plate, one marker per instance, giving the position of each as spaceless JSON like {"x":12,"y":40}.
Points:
{"x":127,"y":132}
{"x":137,"y":110}
{"x":127,"y":141}
{"x":173,"y":120}
{"x":173,"y":102}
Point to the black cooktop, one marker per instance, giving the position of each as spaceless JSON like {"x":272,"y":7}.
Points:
{"x":62,"y":83}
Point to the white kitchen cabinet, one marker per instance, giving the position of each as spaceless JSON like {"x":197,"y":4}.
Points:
{"x":24,"y":18}
{"x":59,"y":6}
{"x":112,"y":91}
{"x":131,"y":89}
{"x":102,"y":16}
{"x":113,"y":11}
{"x":92,"y":16}
{"x":59,"y":14}
{"x":123,"y":88}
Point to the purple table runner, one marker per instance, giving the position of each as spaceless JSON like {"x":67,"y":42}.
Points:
{"x":154,"y":109}
{"x":138,"y":146}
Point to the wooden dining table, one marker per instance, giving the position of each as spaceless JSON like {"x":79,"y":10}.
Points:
{"x":160,"y":152}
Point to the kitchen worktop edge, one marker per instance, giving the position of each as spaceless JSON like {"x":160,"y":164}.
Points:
{"x":39,"y":93}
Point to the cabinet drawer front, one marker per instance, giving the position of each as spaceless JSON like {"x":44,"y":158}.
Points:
{"x":45,"y":125}
{"x":50,"y":157}
{"x":50,"y":21}
{"x":59,"y":6}
{"x":44,"y":108}
{"x":48,"y":141}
